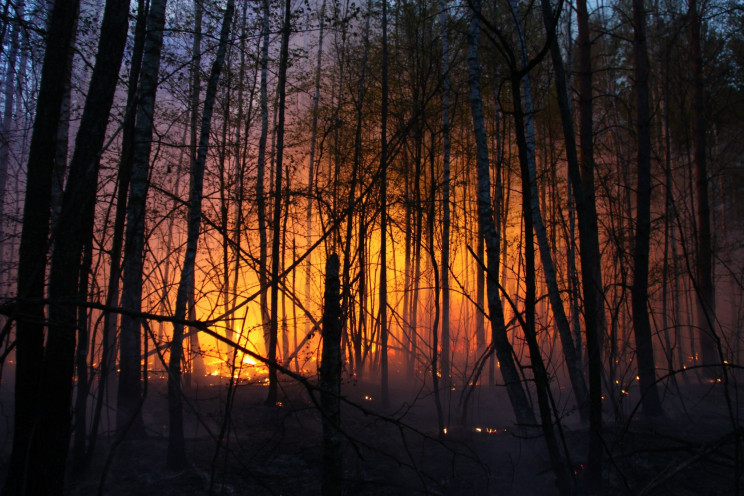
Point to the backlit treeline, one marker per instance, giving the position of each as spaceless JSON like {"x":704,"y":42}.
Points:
{"x":532,"y":194}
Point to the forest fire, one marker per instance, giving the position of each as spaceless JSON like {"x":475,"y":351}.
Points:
{"x":411,"y":247}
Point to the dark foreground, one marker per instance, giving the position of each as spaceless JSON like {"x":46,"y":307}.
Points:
{"x":276,"y":450}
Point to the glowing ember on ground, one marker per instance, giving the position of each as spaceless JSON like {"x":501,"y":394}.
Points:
{"x":487,"y":430}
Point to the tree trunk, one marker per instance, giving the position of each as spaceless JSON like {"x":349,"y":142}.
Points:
{"x":445,"y":194}
{"x":383,"y":216}
{"x":499,"y":339}
{"x":311,"y":161}
{"x":355,"y":167}
{"x":108,"y":351}
{"x":261,"y":174}
{"x":63,"y":139}
{"x":129,"y":396}
{"x":435,"y":372}
{"x":9,"y":90}
{"x":639,"y":291}
{"x":706,"y":301}
{"x":69,"y":276}
{"x":330,"y":382}
{"x":176,"y":449}
{"x":25,"y":475}
{"x":525,"y":130}
{"x":275,"y":243}
{"x":582,"y":185}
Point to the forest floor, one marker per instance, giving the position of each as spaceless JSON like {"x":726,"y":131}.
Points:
{"x":276,"y":450}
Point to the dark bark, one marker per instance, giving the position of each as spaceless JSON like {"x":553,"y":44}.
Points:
{"x":706,"y":298}
{"x":435,"y":371}
{"x":446,"y":146}
{"x":276,"y":235}
{"x":63,"y":138}
{"x":9,"y":90}
{"x":525,"y":133}
{"x":522,"y":411}
{"x":330,"y":381}
{"x":385,"y":393}
{"x":355,"y":168}
{"x":261,"y":173}
{"x":581,"y":180}
{"x":591,"y":259}
{"x":69,"y":276}
{"x":129,"y":396}
{"x":176,"y":446}
{"x":25,"y":476}
{"x":108,"y":351}
{"x":639,"y":291}
{"x":311,"y":158}
{"x":524,"y":127}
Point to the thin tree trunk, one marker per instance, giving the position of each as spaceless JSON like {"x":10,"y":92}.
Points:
{"x":706,"y":300}
{"x":408,"y":277}
{"x":330,"y":382}
{"x":580,"y":181}
{"x":311,"y":161}
{"x":176,"y":448}
{"x":522,"y":411}
{"x":435,"y":373}
{"x":261,"y":174}
{"x":129,"y":413}
{"x":108,"y":352}
{"x":445,"y":194}
{"x":275,"y":248}
{"x":355,"y":167}
{"x":385,"y":393}
{"x":525,"y":130}
{"x":639,"y":291}
{"x":9,"y":90}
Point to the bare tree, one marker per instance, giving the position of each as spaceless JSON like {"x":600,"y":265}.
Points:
{"x":446,"y":153}
{"x":129,"y":414}
{"x":176,"y":450}
{"x":330,"y":381}
{"x":499,"y":340}
{"x":706,"y":298}
{"x":68,"y":286}
{"x":279,"y":171}
{"x":385,"y":393}
{"x":641,"y":323}
{"x":586,"y":209}
{"x":25,"y":475}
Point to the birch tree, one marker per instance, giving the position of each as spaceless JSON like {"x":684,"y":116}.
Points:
{"x":500,"y":342}
{"x":176,"y":449}
{"x":129,"y":395}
